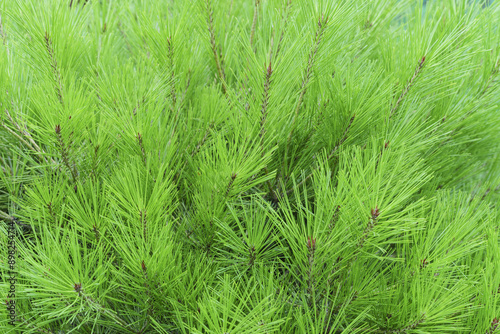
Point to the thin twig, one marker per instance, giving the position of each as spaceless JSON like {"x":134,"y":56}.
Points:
{"x":18,"y":136}
{"x":254,"y":23}
{"x":406,"y":89}
{"x":342,"y":140}
{"x":55,"y":68}
{"x":344,"y":137}
{"x":265,"y":102}
{"x":172,"y":76}
{"x":125,"y":38}
{"x":32,"y":326}
{"x":489,"y":83}
{"x":284,"y":18}
{"x":308,"y":72}
{"x":195,"y":150}
{"x":141,"y":146}
{"x":6,"y":216}
{"x":2,"y":33}
{"x":230,"y":185}
{"x":106,"y":311}
{"x":217,"y":55}
{"x":65,"y":153}
{"x":318,"y":121}
{"x":264,"y":109}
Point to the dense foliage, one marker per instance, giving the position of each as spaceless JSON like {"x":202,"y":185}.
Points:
{"x":267,"y":166}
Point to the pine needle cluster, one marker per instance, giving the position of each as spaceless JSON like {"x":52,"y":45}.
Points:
{"x":251,"y":166}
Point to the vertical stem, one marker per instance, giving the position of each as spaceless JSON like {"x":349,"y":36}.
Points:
{"x":255,"y":14}
{"x":55,"y":68}
{"x":305,"y":80}
{"x":217,"y":55}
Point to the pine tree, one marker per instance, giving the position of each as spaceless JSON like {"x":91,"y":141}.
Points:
{"x":257,"y":166}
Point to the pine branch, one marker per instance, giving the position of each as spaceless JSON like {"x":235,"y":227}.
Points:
{"x":150,"y":311}
{"x":125,"y":38}
{"x":490,"y":81}
{"x":141,"y":146}
{"x":322,"y":22}
{"x":369,"y":227}
{"x":255,"y":14}
{"x":284,"y":19}
{"x":372,"y":222}
{"x":195,"y":150}
{"x":33,"y":326}
{"x":338,"y":307}
{"x":217,"y":56}
{"x":64,"y":151}
{"x":119,"y":321}
{"x":264,"y":106}
{"x":2,"y":33}
{"x":26,"y":134}
{"x":493,"y":326}
{"x":406,"y":89}
{"x":318,"y":121}
{"x":172,"y":76}
{"x":230,"y":185}
{"x":55,"y":68}
{"x":341,"y":141}
{"x":71,"y":2}
{"x":406,"y":329}
{"x":18,"y":137}
{"x":144,"y":221}
{"x":200,"y":144}
{"x":311,"y":247}
{"x":6,"y":216}
{"x":186,"y":88}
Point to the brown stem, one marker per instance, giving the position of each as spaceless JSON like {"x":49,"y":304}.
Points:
{"x":187,"y":86}
{"x":55,"y":68}
{"x":230,"y":185}
{"x":338,"y":307}
{"x":265,"y":103}
{"x":18,"y":137}
{"x":311,"y":247}
{"x":32,"y":326}
{"x":494,"y":71}
{"x":200,"y":144}
{"x":2,"y":34}
{"x":308,"y":71}
{"x":342,"y":140}
{"x":404,"y":329}
{"x":255,"y":14}
{"x":6,"y":216}
{"x":493,"y":326}
{"x":65,"y":153}
{"x":217,"y":55}
{"x":195,"y":150}
{"x":284,"y":18}
{"x":318,"y":121}
{"x":406,"y":89}
{"x":344,"y":137}
{"x":172,"y":76}
{"x":144,"y":222}
{"x":230,"y":8}
{"x":143,"y":151}
{"x":368,"y":229}
{"x":125,"y":38}
{"x":104,"y":310}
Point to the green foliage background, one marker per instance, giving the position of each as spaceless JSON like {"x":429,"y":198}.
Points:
{"x":267,"y":166}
